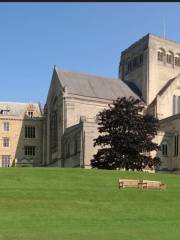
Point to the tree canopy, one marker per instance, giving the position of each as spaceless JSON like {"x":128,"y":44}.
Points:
{"x":126,"y":136}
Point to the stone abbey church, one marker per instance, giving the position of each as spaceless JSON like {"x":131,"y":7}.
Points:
{"x":61,"y":134}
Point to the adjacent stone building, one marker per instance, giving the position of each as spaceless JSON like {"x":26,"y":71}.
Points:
{"x":21,"y":134}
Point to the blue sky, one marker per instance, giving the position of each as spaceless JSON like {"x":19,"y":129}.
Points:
{"x":82,"y":37}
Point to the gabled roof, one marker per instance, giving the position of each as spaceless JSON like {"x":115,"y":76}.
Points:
{"x":93,"y":86}
{"x":17,"y":108}
{"x":164,"y":88}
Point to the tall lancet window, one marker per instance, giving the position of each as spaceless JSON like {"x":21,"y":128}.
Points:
{"x":176,"y":104}
{"x":54,"y":126}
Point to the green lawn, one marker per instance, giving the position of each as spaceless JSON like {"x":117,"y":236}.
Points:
{"x":81,"y":204}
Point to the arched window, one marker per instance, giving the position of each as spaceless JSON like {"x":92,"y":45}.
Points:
{"x":177,"y":60}
{"x":169,"y":58}
{"x":160,"y":55}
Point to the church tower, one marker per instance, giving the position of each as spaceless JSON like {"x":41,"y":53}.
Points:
{"x":148,"y":64}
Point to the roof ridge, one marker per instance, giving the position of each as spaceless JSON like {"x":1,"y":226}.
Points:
{"x":86,"y":74}
{"x":89,"y":85}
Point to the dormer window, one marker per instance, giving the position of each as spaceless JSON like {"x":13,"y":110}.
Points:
{"x":4,"y":111}
{"x":30,"y":114}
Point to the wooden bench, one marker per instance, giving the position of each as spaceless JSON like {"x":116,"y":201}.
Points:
{"x":141,"y":184}
{"x":147,"y":184}
{"x":128,"y":183}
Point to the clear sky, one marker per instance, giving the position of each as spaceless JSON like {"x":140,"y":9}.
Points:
{"x":82,"y":37}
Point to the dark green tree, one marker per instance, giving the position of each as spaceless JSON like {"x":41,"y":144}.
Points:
{"x":126,"y":136}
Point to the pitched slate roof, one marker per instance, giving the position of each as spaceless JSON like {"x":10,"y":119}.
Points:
{"x":17,"y":108}
{"x":94,"y":86}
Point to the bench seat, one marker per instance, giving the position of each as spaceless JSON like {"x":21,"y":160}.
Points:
{"x":152,"y":184}
{"x":125,"y":183}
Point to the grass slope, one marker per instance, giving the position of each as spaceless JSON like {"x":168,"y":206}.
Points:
{"x":52,"y":203}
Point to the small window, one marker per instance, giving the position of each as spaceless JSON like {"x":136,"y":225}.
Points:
{"x":29,"y":132}
{"x":6,"y":126}
{"x":164,"y":149}
{"x":29,"y":150}
{"x":5,"y":142}
{"x":6,"y":160}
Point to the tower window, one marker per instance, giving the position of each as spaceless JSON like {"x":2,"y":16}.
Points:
{"x":169,"y":58}
{"x":129,"y":66}
{"x":160,"y":56}
{"x":177,"y":60}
